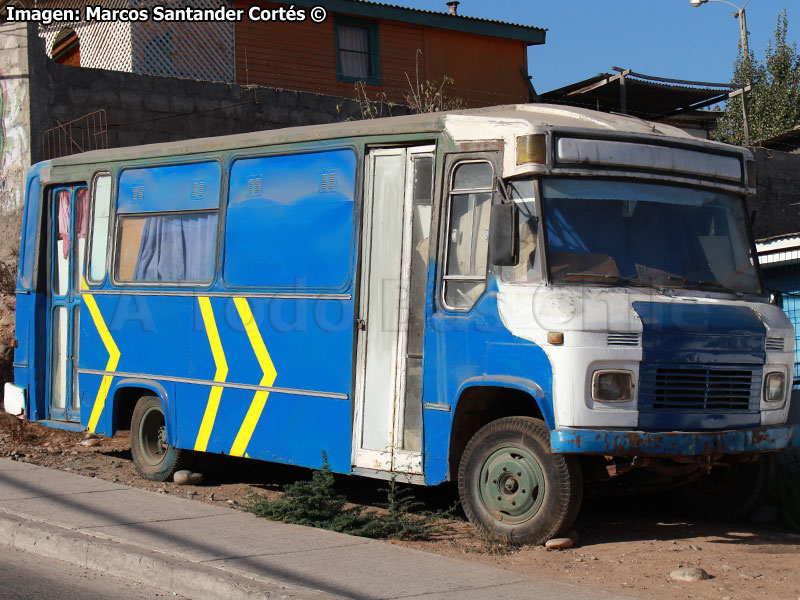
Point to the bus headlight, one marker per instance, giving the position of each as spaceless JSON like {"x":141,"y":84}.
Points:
{"x":612,"y":386}
{"x":775,"y":387}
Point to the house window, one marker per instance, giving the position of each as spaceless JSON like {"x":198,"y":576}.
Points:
{"x":66,"y":48}
{"x":357,"y":57}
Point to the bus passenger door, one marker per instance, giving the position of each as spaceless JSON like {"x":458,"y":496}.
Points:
{"x":67,"y":226}
{"x":387,"y":432}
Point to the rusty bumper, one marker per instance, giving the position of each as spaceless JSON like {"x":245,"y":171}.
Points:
{"x":674,"y":443}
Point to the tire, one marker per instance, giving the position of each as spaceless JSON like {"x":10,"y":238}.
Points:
{"x":729,"y":494}
{"x":539,"y":492}
{"x":154,"y":458}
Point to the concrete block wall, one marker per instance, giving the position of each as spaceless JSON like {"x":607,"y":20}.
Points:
{"x":777,"y":203}
{"x":142,"y":109}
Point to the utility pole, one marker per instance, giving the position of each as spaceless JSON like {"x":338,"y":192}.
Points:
{"x":739,"y":14}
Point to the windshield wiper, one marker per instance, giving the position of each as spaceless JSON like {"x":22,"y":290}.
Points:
{"x":612,"y":279}
{"x":698,"y":283}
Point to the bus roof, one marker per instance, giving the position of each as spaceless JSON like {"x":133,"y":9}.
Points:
{"x":524,"y":115}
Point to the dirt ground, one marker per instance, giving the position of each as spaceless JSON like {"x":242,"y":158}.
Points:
{"x":628,"y":545}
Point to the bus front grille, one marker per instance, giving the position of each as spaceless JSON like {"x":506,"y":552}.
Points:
{"x":703,"y":387}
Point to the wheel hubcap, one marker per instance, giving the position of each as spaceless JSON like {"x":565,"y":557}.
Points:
{"x":153,"y":436}
{"x":512,"y":485}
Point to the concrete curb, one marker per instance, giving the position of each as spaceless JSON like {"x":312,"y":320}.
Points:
{"x":156,"y":569}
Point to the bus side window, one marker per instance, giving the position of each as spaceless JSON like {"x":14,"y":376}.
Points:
{"x":289,"y":223}
{"x":101,"y":205}
{"x":167,"y":223}
{"x":468,"y":234}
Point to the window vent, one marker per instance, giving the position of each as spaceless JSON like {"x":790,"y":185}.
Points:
{"x":138,"y":194}
{"x":616,"y":338}
{"x":254,"y":186}
{"x":198,"y":189}
{"x":327,"y":181}
{"x":775,"y":343}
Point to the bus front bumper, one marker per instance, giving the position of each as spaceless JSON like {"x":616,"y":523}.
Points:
{"x":674,"y":443}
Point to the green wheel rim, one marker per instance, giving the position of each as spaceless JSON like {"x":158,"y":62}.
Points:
{"x":153,"y":436}
{"x":512,"y":485}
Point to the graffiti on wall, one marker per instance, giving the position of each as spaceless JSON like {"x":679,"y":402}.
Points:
{"x":14,"y":144}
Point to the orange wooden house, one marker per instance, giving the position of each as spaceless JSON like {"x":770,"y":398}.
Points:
{"x":386,"y":46}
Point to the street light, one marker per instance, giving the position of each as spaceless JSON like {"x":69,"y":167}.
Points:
{"x":739,"y":14}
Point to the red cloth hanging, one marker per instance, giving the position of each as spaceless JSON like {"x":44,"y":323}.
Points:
{"x":63,"y":219}
{"x":81,"y":203}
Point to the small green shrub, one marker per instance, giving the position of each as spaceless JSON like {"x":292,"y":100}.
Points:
{"x":315,"y":503}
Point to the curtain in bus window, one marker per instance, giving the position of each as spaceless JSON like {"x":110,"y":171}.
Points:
{"x":63,"y":220}
{"x":81,"y":203}
{"x":176,"y":248}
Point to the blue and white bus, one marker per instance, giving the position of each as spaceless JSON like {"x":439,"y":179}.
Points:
{"x":518,"y":299}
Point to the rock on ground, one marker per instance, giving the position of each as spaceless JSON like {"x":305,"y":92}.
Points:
{"x":559,"y":544}
{"x":689,"y":574}
{"x":182,"y":477}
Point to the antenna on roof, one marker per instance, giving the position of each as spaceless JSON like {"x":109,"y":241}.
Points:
{"x":452,"y":6}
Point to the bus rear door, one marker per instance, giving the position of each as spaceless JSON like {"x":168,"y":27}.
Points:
{"x":67,"y":233}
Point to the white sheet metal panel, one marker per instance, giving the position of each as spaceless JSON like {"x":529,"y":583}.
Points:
{"x":644,"y":156}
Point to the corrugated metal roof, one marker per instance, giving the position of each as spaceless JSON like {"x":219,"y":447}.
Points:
{"x":645,"y":98}
{"x":789,"y":139}
{"x":443,"y":20}
{"x":436,"y":12}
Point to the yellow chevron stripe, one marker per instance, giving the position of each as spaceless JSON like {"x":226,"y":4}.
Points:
{"x":222,"y":372}
{"x":113,"y":357}
{"x":265,"y":362}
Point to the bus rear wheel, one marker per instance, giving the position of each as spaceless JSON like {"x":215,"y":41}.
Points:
{"x":154,"y":458}
{"x":513,"y":488}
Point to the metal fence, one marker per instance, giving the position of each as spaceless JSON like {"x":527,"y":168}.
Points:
{"x":790,"y":303}
{"x":89,"y":132}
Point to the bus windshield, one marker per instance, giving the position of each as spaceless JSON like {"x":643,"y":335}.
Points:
{"x":626,"y":233}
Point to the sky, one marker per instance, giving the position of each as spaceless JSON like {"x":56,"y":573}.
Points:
{"x":664,"y":38}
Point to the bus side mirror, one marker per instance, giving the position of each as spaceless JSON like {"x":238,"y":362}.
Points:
{"x":504,"y":235}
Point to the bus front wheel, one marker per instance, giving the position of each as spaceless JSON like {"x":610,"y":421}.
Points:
{"x":512,"y":486}
{"x":154,"y":458}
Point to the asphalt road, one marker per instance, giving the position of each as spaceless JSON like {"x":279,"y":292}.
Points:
{"x":25,"y":576}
